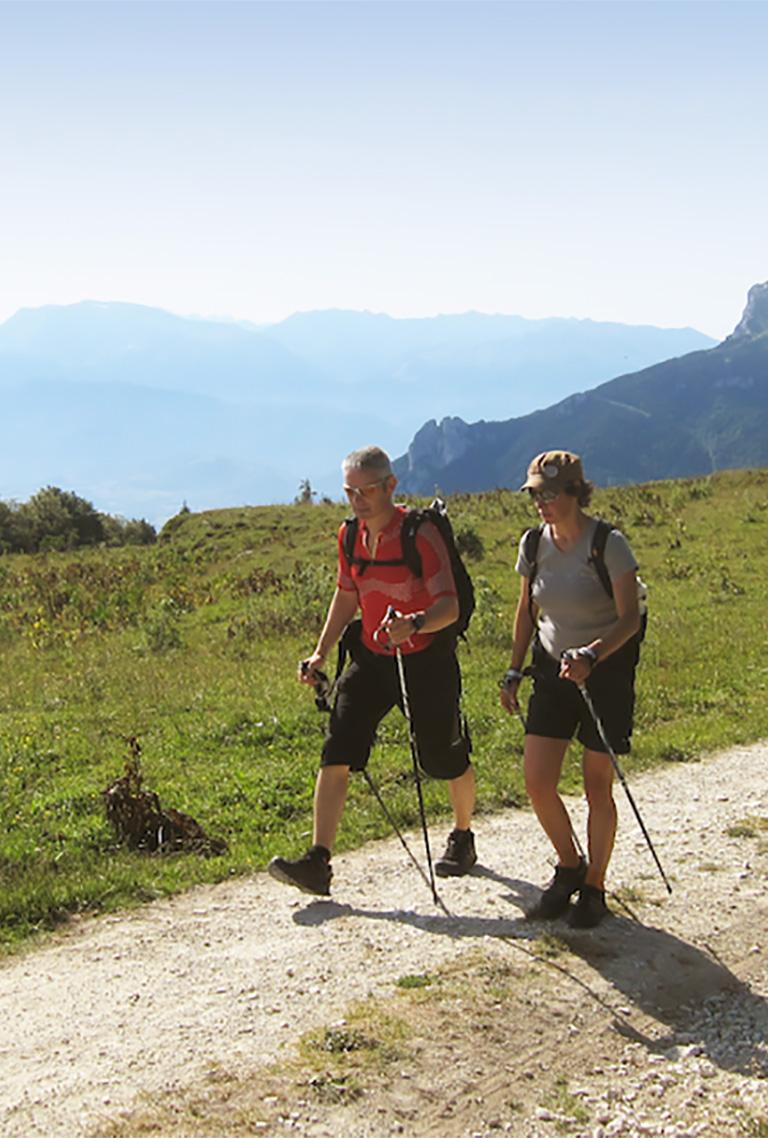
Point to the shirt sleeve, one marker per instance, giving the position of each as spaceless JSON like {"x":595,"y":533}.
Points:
{"x":344,"y":579}
{"x":435,"y":562}
{"x":619,"y":558}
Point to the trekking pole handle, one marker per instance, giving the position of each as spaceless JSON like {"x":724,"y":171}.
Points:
{"x":320,"y":683}
{"x":392,"y":614}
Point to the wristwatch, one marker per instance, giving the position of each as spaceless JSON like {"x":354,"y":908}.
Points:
{"x":417,"y":620}
{"x":511,"y":676}
{"x":589,"y":654}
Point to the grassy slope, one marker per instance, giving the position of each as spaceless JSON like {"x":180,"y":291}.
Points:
{"x":192,"y":646}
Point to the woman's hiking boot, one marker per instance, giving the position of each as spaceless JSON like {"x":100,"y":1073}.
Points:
{"x":459,"y":856}
{"x":311,"y":872}
{"x":556,"y":898}
{"x":589,"y":910}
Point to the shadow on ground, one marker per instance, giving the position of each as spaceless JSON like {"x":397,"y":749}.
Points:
{"x":685,"y":988}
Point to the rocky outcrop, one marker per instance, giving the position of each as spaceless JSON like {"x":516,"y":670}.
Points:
{"x":754,"y":321}
{"x":704,"y":411}
{"x":437,"y":445}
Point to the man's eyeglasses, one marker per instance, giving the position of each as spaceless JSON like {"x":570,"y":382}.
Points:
{"x":544,"y":496}
{"x":366,"y":491}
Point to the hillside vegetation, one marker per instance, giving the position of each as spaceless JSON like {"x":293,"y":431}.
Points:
{"x":191,"y":645}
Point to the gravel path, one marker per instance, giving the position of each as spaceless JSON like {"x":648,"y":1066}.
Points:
{"x":119,"y":1006}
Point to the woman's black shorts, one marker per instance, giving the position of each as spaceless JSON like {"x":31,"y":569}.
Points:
{"x":370,"y":687}
{"x":556,"y":709}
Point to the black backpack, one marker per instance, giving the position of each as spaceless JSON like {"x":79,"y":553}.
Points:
{"x":531,"y":540}
{"x":436,"y":513}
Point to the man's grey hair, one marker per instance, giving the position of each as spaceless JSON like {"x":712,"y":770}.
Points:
{"x":370,"y":459}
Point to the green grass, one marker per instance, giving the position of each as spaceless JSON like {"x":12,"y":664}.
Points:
{"x":192,"y":644}
{"x":564,"y":1103}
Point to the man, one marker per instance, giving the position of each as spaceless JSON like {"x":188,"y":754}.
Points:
{"x":376,"y":580}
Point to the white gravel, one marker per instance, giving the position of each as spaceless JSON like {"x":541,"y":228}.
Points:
{"x":228,"y":975}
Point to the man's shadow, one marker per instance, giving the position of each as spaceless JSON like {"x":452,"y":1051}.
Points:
{"x":672,"y":981}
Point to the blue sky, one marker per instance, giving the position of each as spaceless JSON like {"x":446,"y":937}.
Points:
{"x":248,"y":160}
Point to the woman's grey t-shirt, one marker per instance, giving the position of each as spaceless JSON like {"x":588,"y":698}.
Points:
{"x":574,"y":608}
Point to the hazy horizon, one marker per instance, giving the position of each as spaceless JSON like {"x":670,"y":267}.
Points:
{"x":251,"y":160}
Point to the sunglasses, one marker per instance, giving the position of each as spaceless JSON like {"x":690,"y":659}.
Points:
{"x":544,"y":496}
{"x":366,"y":491}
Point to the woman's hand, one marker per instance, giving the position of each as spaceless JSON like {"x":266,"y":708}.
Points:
{"x":508,"y":689}
{"x":576,"y":665}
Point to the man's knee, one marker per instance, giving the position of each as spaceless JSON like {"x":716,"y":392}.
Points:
{"x":445,"y":762}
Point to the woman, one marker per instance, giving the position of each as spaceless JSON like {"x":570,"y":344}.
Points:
{"x":581,"y":635}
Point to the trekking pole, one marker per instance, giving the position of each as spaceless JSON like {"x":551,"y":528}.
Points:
{"x":323,"y":691}
{"x":601,"y":732}
{"x":388,"y":815}
{"x":391,"y":614}
{"x":504,"y":684}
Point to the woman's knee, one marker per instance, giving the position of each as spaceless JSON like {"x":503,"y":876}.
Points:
{"x":542,"y":763}
{"x":598,"y":787}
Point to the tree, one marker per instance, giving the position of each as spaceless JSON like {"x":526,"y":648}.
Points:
{"x":305,"y":494}
{"x":60,"y":519}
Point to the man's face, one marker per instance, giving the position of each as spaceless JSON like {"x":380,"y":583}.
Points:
{"x":369,"y":497}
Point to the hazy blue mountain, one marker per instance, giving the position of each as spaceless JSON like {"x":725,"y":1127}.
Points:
{"x":94,"y":342}
{"x":139,"y":409}
{"x":702,"y":412}
{"x":140,"y":452}
{"x":474,"y":364}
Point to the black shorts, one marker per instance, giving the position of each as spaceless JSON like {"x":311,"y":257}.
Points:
{"x":370,"y":687}
{"x":556,"y":709}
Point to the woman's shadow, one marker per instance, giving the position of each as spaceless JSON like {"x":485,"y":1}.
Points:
{"x":689,"y":990}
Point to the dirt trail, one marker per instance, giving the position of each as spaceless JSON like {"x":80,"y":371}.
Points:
{"x":229,"y":975}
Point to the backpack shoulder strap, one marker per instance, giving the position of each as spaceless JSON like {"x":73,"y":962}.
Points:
{"x":408,"y":531}
{"x":349,"y":539}
{"x":531,"y":539}
{"x":597,"y":554}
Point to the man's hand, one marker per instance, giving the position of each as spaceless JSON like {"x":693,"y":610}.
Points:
{"x":307,"y":668}
{"x":395,"y":629}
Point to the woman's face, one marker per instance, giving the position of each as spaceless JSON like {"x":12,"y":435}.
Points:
{"x":553,"y":508}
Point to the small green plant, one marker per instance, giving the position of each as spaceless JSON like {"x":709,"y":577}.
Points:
{"x":335,"y":1089}
{"x":161,"y":627}
{"x":548,"y":947}
{"x":492,"y":621}
{"x":753,"y":1127}
{"x":630,"y":895}
{"x":417,"y":980}
{"x":563,"y":1102}
{"x":339,"y":1040}
{"x":751,"y":827}
{"x":469,"y":544}
{"x":677,"y":755}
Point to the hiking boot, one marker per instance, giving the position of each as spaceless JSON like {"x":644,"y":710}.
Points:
{"x":556,"y":898}
{"x":459,"y":856}
{"x":589,"y":910}
{"x":311,"y":872}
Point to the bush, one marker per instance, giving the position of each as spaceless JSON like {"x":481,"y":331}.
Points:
{"x":470,"y":544}
{"x":55,"y":520}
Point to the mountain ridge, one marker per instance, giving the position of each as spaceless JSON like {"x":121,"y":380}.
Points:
{"x":701,"y":412}
{"x":87,"y":388}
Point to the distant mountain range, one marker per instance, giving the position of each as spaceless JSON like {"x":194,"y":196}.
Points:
{"x":705,"y":411}
{"x":139,"y":410}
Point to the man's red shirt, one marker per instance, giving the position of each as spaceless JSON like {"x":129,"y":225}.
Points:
{"x":380,"y":586}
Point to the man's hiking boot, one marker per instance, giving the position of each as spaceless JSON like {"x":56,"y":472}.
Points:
{"x":556,"y":898}
{"x":459,"y":856}
{"x":311,"y":872}
{"x":589,"y":910}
